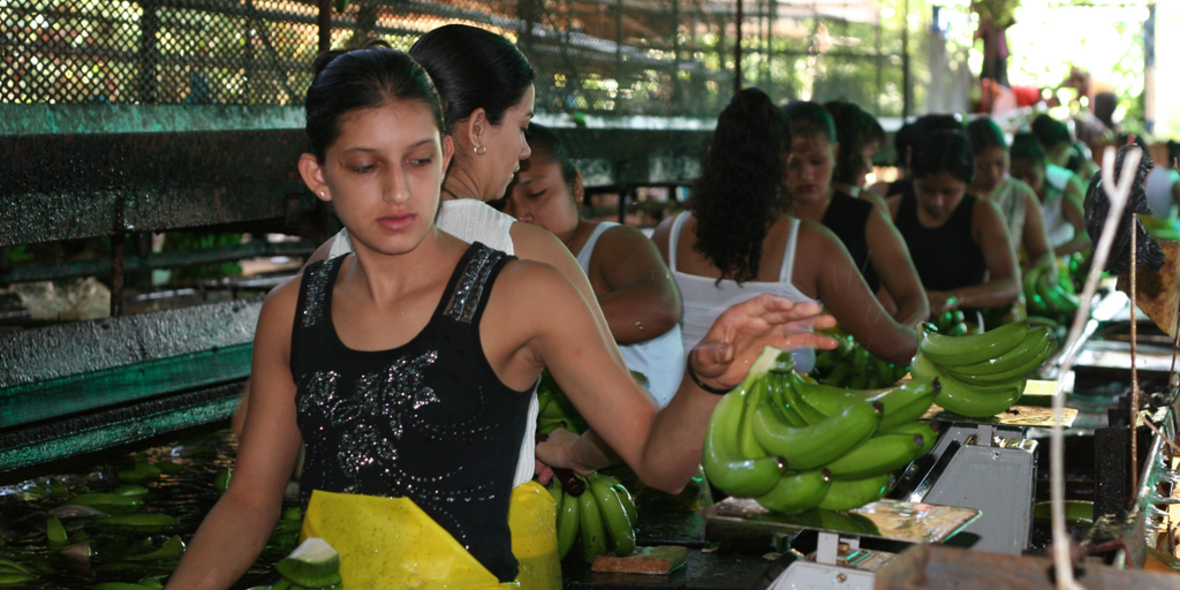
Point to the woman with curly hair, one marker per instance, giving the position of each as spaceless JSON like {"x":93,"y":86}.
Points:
{"x":737,"y":239}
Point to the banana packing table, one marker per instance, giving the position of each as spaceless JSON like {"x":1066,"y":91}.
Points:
{"x":839,"y":559}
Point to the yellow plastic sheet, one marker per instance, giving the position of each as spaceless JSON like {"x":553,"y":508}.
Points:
{"x":391,"y":543}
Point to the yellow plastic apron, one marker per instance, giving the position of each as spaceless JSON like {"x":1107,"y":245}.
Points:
{"x":390,"y":543}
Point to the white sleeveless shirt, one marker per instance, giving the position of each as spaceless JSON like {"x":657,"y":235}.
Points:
{"x":1059,"y":228}
{"x":475,"y":221}
{"x":660,"y":359}
{"x":705,"y":299}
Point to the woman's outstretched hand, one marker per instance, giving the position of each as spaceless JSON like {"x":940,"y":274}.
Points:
{"x":724,"y":355}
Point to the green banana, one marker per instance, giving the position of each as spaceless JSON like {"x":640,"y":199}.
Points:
{"x":622,"y":534}
{"x":808,"y":413}
{"x":131,"y":490}
{"x":568,"y":522}
{"x":797,"y":492}
{"x":786,"y":405}
{"x":725,"y":466}
{"x":555,"y":491}
{"x":628,"y":503}
{"x":877,"y":456}
{"x":966,"y":350}
{"x":221,"y":482}
{"x":816,"y":445}
{"x":927,"y":429}
{"x":8,"y":566}
{"x":967,"y":399}
{"x":100,"y":499}
{"x":147,"y":520}
{"x":1014,"y":359}
{"x":171,"y":549}
{"x":314,"y":564}
{"x":593,"y":534}
{"x":839,"y":374}
{"x":55,"y":533}
{"x":847,"y":495}
{"x":902,"y":403}
{"x":747,"y":444}
{"x":1017,"y":373}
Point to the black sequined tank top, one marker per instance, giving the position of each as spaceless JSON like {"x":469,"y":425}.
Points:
{"x":429,"y":420}
{"x":848,"y":218}
{"x":946,"y":257}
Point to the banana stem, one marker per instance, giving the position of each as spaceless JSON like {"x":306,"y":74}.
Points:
{"x":1118,"y":200}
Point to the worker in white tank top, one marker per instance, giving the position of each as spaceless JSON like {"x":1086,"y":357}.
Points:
{"x":736,"y":242}
{"x":630,"y":281}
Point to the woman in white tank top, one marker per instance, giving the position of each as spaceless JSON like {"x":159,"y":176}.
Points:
{"x":633,"y":286}
{"x":736,"y":242}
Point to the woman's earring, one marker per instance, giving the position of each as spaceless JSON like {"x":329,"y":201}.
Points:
{"x":322,"y":195}
{"x":481,"y":149}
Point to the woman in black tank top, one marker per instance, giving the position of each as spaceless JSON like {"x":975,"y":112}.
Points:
{"x":874,"y":244}
{"x":959,"y":243}
{"x":386,"y":365}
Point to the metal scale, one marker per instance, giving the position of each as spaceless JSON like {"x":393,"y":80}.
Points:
{"x":989,"y":464}
{"x":979,"y":480}
{"x":839,"y":561}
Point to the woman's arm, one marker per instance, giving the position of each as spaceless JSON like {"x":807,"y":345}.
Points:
{"x":663,"y":447}
{"x":1071,"y":208}
{"x":827,"y":271}
{"x":876,"y":200}
{"x":641,"y":300}
{"x":534,"y":243}
{"x":234,"y":533}
{"x":891,"y":259}
{"x":1003,"y":284}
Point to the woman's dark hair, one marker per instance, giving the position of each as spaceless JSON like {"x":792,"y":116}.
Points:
{"x":743,"y":184}
{"x":473,"y":68}
{"x":546,"y":145}
{"x":1077,"y":157}
{"x":903,"y":140}
{"x":1025,"y":146}
{"x":809,"y":118}
{"x":927,"y":124}
{"x":368,"y":77}
{"x":944,"y":151}
{"x":1173,"y":152}
{"x":985,"y":134}
{"x":855,"y":129}
{"x":1049,"y":131}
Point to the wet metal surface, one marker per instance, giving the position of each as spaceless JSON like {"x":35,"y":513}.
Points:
{"x":60,"y":187}
{"x":65,"y":350}
{"x":893,"y":520}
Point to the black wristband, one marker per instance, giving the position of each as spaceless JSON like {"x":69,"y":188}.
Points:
{"x":701,"y":384}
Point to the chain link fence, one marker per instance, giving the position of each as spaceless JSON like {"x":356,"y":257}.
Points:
{"x":619,"y":57}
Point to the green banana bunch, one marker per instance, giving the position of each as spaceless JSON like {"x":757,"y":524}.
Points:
{"x":733,"y":472}
{"x":15,"y":574}
{"x":1050,"y":293}
{"x":951,"y":322}
{"x":603,"y":516}
{"x":983,"y":375}
{"x":827,"y":436}
{"x":853,"y":366}
{"x":557,"y":411}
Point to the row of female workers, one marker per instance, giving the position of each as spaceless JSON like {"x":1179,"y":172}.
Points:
{"x":782,"y":182}
{"x":406,"y":364}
